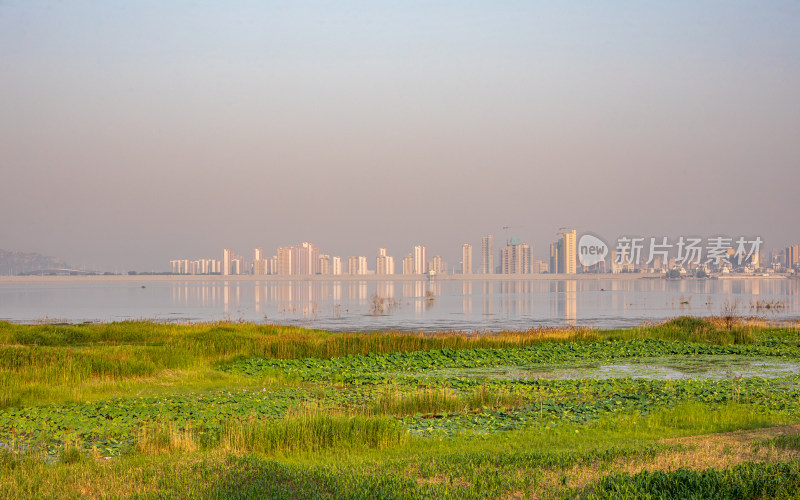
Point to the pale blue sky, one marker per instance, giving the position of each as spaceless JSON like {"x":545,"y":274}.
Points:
{"x":132,"y":133}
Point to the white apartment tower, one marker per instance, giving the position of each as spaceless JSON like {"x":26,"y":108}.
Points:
{"x":408,"y":264}
{"x":466,"y":258}
{"x":570,"y":252}
{"x":420,"y":259}
{"x":384,"y":264}
{"x":487,"y":254}
{"x":336,"y":266}
{"x":227,"y":258}
{"x":325,"y":264}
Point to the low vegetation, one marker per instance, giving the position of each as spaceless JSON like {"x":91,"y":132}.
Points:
{"x":706,"y":408}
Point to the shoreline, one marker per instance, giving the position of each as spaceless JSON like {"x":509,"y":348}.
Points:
{"x":125,"y":278}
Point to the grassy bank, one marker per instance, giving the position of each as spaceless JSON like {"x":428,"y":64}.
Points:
{"x":41,"y":363}
{"x":149,"y":410}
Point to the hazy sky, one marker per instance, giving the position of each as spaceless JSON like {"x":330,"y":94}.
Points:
{"x":132,"y":133}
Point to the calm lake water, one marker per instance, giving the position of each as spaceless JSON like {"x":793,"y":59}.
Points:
{"x":411,"y":305}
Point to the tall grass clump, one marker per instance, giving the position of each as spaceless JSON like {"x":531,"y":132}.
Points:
{"x":690,"y":329}
{"x":310,"y":432}
{"x":442,"y":400}
{"x":784,"y":442}
{"x":161,"y":437}
{"x":700,"y":419}
{"x":748,"y":480}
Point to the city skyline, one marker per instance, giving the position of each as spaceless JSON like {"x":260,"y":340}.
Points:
{"x":516,"y":257}
{"x":129,"y":135}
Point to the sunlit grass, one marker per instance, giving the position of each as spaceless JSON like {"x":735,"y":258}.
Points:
{"x":439,"y":400}
{"x":43,"y":363}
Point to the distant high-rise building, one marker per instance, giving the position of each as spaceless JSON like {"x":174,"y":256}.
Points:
{"x":516,"y":258}
{"x":384,"y":264}
{"x":285,"y":260}
{"x":259,"y":267}
{"x":389,"y":264}
{"x":325,"y":264}
{"x":362,"y":265}
{"x":259,"y":264}
{"x":352,"y":265}
{"x":298,"y":260}
{"x":237,"y":265}
{"x":570,"y":251}
{"x":487,"y":254}
{"x":466,"y":258}
{"x":308,"y":261}
{"x":408,"y":264}
{"x":539,"y":267}
{"x":336,"y":266}
{"x":790,"y":256}
{"x":555,"y":262}
{"x":197,"y":266}
{"x":227,"y":257}
{"x":420,"y":259}
{"x":437,"y":265}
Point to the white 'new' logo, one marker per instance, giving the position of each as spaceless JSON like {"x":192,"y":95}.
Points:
{"x":591,"y":250}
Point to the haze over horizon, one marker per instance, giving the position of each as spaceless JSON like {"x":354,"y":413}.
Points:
{"x":132,"y":134}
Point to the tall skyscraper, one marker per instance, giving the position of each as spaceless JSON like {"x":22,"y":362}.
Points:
{"x":420,"y":259}
{"x":227,"y":258}
{"x":408,"y":264}
{"x":352,"y":265}
{"x":308,"y":259}
{"x":487,"y":254}
{"x":790,"y":256}
{"x":555,"y":262}
{"x":466,"y":258}
{"x":259,"y":264}
{"x":516,"y":258}
{"x":237,"y":265}
{"x":437,"y":265}
{"x":384,"y":264}
{"x":285,"y":261}
{"x":336,"y":266}
{"x":324,"y":264}
{"x":570,"y":251}
{"x":298,"y":260}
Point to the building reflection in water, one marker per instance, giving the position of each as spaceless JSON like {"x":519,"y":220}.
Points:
{"x":563,"y":300}
{"x":488,"y":296}
{"x":466,"y":297}
{"x":385,"y":289}
{"x":516,"y":299}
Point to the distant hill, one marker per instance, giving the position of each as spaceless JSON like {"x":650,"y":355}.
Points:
{"x":25,"y":262}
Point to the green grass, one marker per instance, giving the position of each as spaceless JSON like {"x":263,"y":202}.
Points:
{"x":40,"y":362}
{"x":438,"y":400}
{"x":309,"y":432}
{"x":329,"y":455}
{"x":742,"y":482}
{"x":229,"y":410}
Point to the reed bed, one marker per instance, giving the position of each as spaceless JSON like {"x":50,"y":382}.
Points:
{"x":311,"y":432}
{"x":442,"y":400}
{"x":45,"y":362}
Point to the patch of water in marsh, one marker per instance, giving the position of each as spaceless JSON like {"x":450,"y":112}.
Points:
{"x":665,"y":368}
